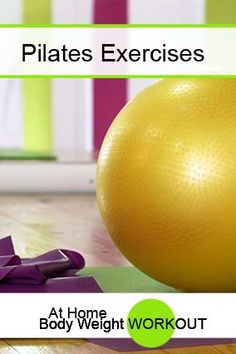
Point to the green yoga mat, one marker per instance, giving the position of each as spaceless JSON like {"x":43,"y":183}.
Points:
{"x":125,"y":280}
{"x":12,"y":154}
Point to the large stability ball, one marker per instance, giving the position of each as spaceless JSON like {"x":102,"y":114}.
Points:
{"x":166,"y":183}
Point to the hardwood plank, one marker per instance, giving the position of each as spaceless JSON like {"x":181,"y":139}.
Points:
{"x":60,"y":226}
{"x":54,"y":346}
{"x":7,"y":349}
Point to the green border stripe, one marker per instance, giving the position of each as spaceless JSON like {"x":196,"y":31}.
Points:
{"x":221,"y":11}
{"x":37,"y":92}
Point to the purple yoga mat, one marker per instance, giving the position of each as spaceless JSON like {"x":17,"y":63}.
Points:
{"x":126,"y":345}
{"x":56,"y":285}
{"x":51,"y":272}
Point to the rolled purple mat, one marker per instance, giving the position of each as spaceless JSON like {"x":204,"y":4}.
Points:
{"x":51,"y":272}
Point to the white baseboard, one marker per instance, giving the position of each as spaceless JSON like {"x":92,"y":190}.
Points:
{"x":47,"y":177}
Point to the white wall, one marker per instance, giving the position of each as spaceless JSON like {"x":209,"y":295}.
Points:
{"x":161,"y":12}
{"x":10,"y":11}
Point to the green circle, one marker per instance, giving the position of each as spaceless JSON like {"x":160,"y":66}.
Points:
{"x":151,"y":323}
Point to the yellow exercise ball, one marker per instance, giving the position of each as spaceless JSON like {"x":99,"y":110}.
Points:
{"x":166,"y":183}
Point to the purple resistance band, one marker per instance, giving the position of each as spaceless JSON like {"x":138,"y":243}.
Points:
{"x":53,"y":271}
{"x":110,"y":95}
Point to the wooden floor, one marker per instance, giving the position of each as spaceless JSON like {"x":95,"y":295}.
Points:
{"x":40,"y":223}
